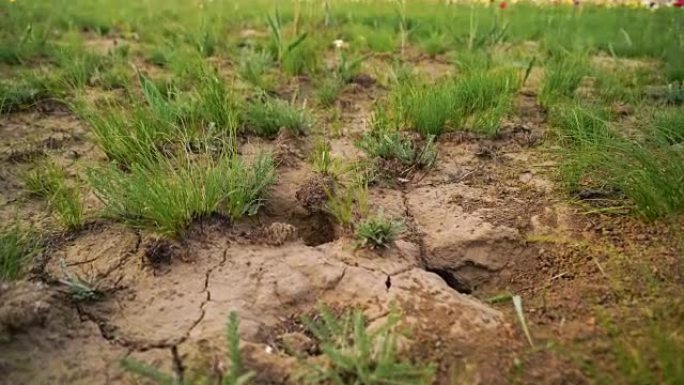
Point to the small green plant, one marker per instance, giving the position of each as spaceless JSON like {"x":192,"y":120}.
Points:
{"x":17,"y":248}
{"x":78,"y":288}
{"x":327,"y":91}
{"x":378,"y":230}
{"x":253,"y":66}
{"x":287,"y":52}
{"x":347,"y":204}
{"x":268,"y":116}
{"x":389,"y":144}
{"x":321,"y":159}
{"x":166,"y":194}
{"x":236,"y":374}
{"x":347,"y":68}
{"x":357,"y":355}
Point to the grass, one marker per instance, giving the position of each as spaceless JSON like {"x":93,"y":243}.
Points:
{"x":562,"y":76}
{"x":357,"y":354}
{"x":48,"y":181}
{"x":476,"y":102}
{"x":378,"y":230}
{"x":236,"y":374}
{"x":17,"y":248}
{"x":253,"y":67}
{"x":383,"y":142}
{"x":268,"y":116}
{"x":166,"y":195}
{"x":348,"y":204}
{"x":648,"y":170}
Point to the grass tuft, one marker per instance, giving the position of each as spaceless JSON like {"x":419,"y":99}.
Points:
{"x":267,"y":117}
{"x":357,"y":355}
{"x":50,"y":182}
{"x":17,"y":248}
{"x":378,"y":230}
{"x":165,"y":195}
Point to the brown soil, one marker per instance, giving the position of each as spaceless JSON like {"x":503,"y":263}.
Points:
{"x":485,"y":220}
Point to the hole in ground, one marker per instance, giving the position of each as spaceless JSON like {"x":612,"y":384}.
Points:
{"x":452,"y":281}
{"x":315,"y":229}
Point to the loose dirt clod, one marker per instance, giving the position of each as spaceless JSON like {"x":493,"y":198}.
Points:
{"x":314,"y":192}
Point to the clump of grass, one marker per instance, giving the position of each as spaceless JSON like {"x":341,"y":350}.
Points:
{"x":214,"y":105}
{"x":669,"y":127}
{"x":322,"y":161}
{"x":476,"y":102}
{"x":166,"y":194}
{"x":434,"y":44}
{"x":48,"y":181}
{"x":650,"y":175}
{"x":236,"y":374}
{"x":129,"y":133}
{"x":79,"y":66}
{"x":17,"y":247}
{"x":253,"y":66}
{"x":563,"y":74}
{"x":430,"y":110}
{"x":648,"y":171}
{"x":294,"y":56}
{"x":348,"y":204}
{"x":386,"y":143}
{"x":21,"y":95}
{"x":268,"y":116}
{"x":584,"y":134}
{"x":303,"y":59}
{"x":378,"y":230}
{"x":356,"y":355}
{"x":327,"y":91}
{"x":344,"y":72}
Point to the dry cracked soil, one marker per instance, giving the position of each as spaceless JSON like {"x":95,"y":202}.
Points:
{"x":485,"y":220}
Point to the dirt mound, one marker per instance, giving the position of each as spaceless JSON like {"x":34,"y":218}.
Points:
{"x":461,"y":246}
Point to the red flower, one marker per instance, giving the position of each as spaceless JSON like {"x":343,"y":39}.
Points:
{"x":503,"y":5}
{"x":679,"y":3}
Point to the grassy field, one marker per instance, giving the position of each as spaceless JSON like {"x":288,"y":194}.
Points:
{"x":522,"y":151}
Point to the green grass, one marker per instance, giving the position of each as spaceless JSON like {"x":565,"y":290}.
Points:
{"x":434,"y":44}
{"x":476,"y":102}
{"x":357,"y":354}
{"x":17,"y":248}
{"x":327,"y":91}
{"x":562,"y":76}
{"x":389,"y":144}
{"x":48,"y":181}
{"x":347,"y":204}
{"x":236,"y":374}
{"x":253,"y":67}
{"x":32,"y":88}
{"x":668,"y":126}
{"x":166,"y":194}
{"x":378,"y":230}
{"x":268,"y":116}
{"x":648,"y":169}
